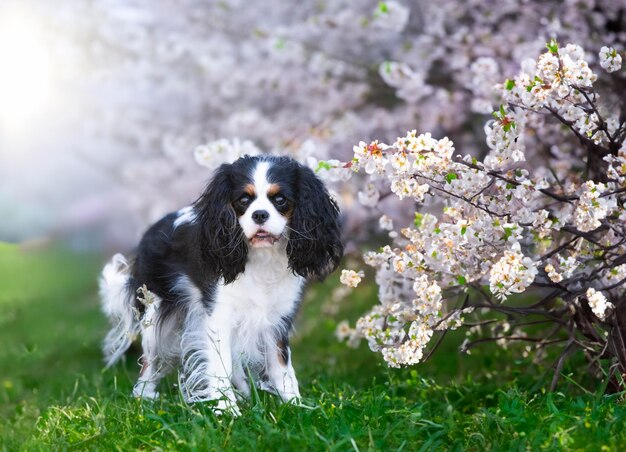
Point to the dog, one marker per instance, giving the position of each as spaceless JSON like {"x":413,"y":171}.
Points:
{"x":213,"y":289}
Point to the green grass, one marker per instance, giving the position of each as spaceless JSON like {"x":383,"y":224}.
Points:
{"x":54,"y":394}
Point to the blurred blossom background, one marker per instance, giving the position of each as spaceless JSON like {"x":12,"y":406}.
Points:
{"x":114,"y":112}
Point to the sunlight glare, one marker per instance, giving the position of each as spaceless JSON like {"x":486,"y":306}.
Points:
{"x":25,"y":72}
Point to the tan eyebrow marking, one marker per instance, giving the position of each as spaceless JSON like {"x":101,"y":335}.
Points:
{"x":249,"y":190}
{"x":273,"y":189}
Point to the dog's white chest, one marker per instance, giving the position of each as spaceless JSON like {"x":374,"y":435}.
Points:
{"x":257,"y":301}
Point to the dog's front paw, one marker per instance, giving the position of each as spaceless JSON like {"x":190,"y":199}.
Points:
{"x":291,"y":398}
{"x":227,"y":406}
{"x":288,"y":393}
{"x":223,"y":397}
{"x":145,"y":390}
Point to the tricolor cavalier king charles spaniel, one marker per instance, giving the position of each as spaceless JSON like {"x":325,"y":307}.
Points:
{"x":214,"y":288}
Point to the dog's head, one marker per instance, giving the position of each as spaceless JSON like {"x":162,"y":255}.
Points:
{"x":263,"y":202}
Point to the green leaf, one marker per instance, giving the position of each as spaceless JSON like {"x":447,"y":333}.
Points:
{"x":417,"y":221}
{"x":553,"y":46}
{"x":509,"y":84}
{"x":383,"y":8}
{"x":323,"y":165}
{"x":508,"y":126}
{"x":463,"y":230}
{"x":450,"y":177}
{"x":461,"y":280}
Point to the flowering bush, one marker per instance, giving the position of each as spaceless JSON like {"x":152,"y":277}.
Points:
{"x":554,"y":224}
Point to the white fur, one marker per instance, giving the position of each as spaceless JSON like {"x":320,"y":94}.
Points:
{"x":185,"y":215}
{"x":257,"y":301}
{"x":117,"y":306}
{"x":207,"y":361}
{"x":241,"y":332}
{"x":276,"y":223}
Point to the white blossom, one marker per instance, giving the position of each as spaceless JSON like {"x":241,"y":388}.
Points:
{"x":610,"y":59}
{"x":598,"y":303}
{"x":512,"y":273}
{"x":343,"y":330}
{"x":391,"y":15}
{"x":592,"y":206}
{"x":351,"y":278}
{"x":369,"y":196}
{"x":554,"y":276}
{"x":385,"y":223}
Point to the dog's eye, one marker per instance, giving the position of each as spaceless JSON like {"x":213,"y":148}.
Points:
{"x":244,"y":201}
{"x":280,"y":200}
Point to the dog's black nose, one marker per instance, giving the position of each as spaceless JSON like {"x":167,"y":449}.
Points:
{"x":260,"y":216}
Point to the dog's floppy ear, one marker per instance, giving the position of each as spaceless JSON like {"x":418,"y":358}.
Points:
{"x":314,"y":248}
{"x":220,"y":238}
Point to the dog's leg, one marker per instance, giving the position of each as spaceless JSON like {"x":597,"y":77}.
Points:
{"x":240,"y":380}
{"x":152,"y":370}
{"x":280,"y":372}
{"x":149,"y":378}
{"x":207,"y":360}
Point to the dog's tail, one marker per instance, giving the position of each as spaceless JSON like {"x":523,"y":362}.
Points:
{"x":117,"y":303}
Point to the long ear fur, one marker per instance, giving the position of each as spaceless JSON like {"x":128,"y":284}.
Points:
{"x":314,"y":246}
{"x":220,"y":238}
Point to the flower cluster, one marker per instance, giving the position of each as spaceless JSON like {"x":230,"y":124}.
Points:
{"x":610,"y":60}
{"x":598,"y":303}
{"x":592,"y":207}
{"x":554,"y":276}
{"x":350,"y":278}
{"x":512,"y":273}
{"x":501,"y":222}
